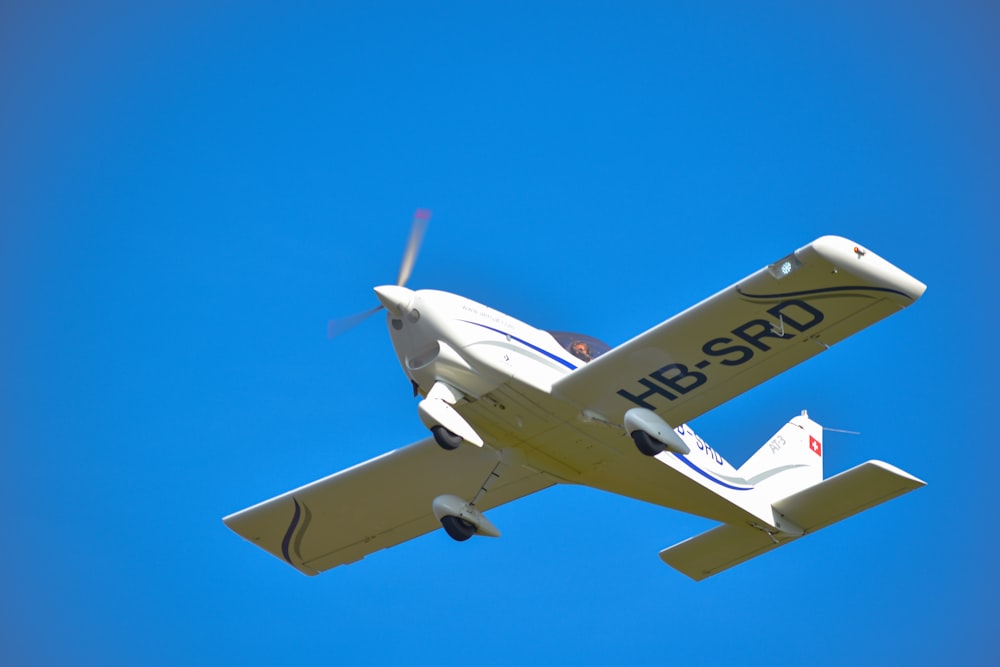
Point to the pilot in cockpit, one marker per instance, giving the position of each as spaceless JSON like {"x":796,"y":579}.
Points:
{"x":581,"y":350}
{"x":583,"y":347}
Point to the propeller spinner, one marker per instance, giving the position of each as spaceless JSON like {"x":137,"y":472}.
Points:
{"x":417,"y":228}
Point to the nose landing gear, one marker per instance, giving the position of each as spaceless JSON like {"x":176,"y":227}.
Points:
{"x":445,"y":438}
{"x":438,"y":414}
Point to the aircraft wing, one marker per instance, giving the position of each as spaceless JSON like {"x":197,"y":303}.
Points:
{"x":761,"y":326}
{"x":377,"y":504}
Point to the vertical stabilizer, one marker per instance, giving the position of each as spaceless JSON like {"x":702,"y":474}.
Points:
{"x":790,"y":461}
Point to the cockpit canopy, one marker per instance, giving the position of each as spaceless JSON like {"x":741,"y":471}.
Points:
{"x":586,"y":348}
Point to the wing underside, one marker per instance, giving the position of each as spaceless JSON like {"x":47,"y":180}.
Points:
{"x":377,"y":504}
{"x":753,"y":330}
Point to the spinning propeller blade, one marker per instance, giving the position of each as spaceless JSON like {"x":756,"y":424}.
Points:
{"x":420,"y":219}
{"x":336,"y":327}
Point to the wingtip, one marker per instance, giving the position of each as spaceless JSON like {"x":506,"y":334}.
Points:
{"x":847,"y":255}
{"x":915,"y":481}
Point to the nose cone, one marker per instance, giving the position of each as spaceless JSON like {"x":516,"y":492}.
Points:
{"x":396,"y":299}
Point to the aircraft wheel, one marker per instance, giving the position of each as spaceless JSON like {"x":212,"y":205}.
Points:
{"x":445,"y":438}
{"x":458,"y":529}
{"x":646,"y":444}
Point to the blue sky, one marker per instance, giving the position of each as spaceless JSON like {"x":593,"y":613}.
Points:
{"x":189,"y":191}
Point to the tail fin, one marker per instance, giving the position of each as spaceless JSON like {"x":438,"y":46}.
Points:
{"x":790,"y":461}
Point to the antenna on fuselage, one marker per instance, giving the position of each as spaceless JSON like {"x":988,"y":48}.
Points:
{"x":840,"y":430}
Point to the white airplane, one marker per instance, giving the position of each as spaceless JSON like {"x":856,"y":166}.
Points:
{"x":513,"y":410}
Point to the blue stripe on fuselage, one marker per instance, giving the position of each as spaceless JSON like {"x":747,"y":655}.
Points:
{"x":709,"y":476}
{"x":526,"y":343}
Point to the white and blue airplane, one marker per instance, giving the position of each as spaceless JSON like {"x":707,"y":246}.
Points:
{"x":513,"y":410}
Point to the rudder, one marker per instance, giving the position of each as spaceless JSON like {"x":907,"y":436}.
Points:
{"x":790,"y":461}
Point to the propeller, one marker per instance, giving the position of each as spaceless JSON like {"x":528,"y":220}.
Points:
{"x":417,"y":228}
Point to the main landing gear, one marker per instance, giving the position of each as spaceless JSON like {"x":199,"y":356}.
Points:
{"x":458,"y":529}
{"x":460,"y":519}
{"x":647,"y":444}
{"x":651,"y":434}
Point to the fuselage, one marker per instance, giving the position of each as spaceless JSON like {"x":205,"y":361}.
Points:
{"x":512,"y":410}
{"x":506,"y":368}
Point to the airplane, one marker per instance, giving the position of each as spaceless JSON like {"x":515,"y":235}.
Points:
{"x":513,"y":410}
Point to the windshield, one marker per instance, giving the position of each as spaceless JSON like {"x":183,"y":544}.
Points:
{"x":586,"y":348}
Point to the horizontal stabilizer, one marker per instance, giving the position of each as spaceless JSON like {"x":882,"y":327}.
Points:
{"x":816,"y":507}
{"x":719,"y":549}
{"x":846,"y":494}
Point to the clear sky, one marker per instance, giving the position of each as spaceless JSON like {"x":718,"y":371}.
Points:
{"x":189,"y":190}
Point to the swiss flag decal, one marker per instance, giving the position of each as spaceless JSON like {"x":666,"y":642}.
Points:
{"x":816,"y":446}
